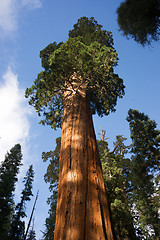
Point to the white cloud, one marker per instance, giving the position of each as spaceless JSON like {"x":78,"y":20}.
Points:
{"x":32,"y":3}
{"x":8,"y":15}
{"x":14,"y":123}
{"x":10,"y":11}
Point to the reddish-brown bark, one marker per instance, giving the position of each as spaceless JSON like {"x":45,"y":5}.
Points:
{"x":82,"y":208}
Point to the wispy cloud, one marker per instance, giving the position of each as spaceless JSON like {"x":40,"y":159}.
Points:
{"x":32,"y":3}
{"x":8,"y":15}
{"x":10,"y":11}
{"x":14,"y":123}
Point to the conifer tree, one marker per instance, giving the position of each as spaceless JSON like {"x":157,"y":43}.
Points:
{"x":144,"y":172}
{"x":116,"y":169}
{"x":79,"y":80}
{"x":140,"y":20}
{"x":18,"y":226}
{"x":51,"y":177}
{"x":8,"y":177}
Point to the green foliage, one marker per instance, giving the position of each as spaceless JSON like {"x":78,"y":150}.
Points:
{"x":51,"y":177}
{"x":47,"y":52}
{"x":8,"y":177}
{"x":51,"y":219}
{"x":11,"y":225}
{"x":140,"y":20}
{"x":91,"y":31}
{"x":28,"y":182}
{"x":116,"y":169}
{"x":146,"y":138}
{"x":88,"y":54}
{"x":18,"y":226}
{"x":145,"y":172}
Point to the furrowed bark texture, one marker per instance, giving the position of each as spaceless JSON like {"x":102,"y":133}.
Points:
{"x":82,"y":208}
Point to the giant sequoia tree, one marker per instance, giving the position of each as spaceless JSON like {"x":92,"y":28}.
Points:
{"x":78,"y":80}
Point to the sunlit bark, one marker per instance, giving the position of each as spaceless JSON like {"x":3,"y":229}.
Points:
{"x":82,"y":208}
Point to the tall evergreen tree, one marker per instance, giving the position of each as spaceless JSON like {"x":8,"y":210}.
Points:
{"x":51,"y":177}
{"x":8,"y":177}
{"x":79,"y":80}
{"x":140,"y":20}
{"x":116,"y":169}
{"x":18,"y":226}
{"x":144,"y":171}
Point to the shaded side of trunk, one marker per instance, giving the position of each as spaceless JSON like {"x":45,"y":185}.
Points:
{"x":82,"y":208}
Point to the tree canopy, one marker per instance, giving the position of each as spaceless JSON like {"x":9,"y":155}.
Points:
{"x":87,"y":57}
{"x":146,"y":138}
{"x":140,"y":20}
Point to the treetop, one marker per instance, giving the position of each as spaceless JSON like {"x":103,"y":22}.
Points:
{"x":89,"y":54}
{"x":91,"y":31}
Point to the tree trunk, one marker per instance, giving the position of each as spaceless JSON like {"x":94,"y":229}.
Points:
{"x":82,"y":209}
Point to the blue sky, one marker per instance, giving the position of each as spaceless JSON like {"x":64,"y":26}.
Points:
{"x":26,"y":27}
